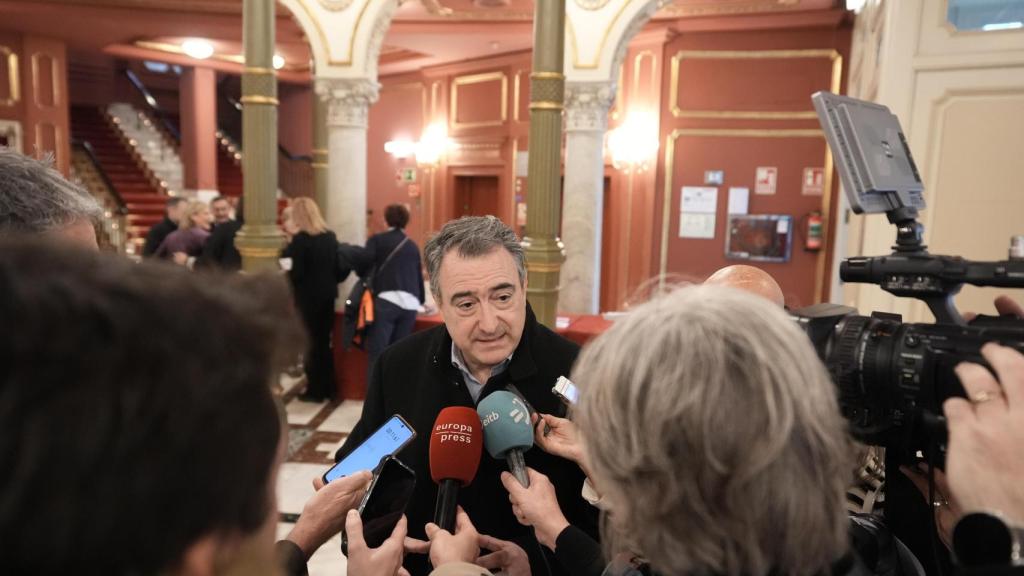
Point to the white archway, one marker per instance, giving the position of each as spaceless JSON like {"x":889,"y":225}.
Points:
{"x":598,"y":33}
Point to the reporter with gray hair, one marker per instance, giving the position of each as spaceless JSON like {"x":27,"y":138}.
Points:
{"x":36,"y":199}
{"x":761,"y":495}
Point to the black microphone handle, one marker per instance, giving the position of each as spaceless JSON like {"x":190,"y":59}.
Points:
{"x":447,"y":502}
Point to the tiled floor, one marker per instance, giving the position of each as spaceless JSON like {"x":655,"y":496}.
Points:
{"x":326,"y":425}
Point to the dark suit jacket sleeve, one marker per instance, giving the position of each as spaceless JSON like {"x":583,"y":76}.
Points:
{"x":373,"y":411}
{"x":291,"y":251}
{"x":291,"y":559}
{"x":212,"y":255}
{"x":578,"y":553}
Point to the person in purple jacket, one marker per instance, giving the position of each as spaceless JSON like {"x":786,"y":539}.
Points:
{"x":188,"y":240}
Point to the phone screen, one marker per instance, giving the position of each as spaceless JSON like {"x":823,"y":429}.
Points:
{"x":385,"y":503}
{"x":387,"y":440}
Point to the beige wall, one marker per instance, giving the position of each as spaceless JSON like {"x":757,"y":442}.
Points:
{"x":960,"y":98}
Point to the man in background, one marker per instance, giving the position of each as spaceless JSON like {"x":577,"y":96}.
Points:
{"x":220,"y":207}
{"x":159,"y":232}
{"x":36,"y":199}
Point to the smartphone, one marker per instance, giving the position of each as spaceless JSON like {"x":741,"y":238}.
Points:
{"x":566,"y":390}
{"x":385,"y":501}
{"x":387,"y":440}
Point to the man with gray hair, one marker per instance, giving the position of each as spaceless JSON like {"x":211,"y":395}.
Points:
{"x":490,"y":341}
{"x":36,"y":199}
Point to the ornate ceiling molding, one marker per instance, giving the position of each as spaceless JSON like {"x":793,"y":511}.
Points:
{"x":592,"y":4}
{"x":335,"y":5}
{"x":437,"y":9}
{"x":680,"y":8}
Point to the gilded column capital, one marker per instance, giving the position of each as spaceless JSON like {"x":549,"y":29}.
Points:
{"x":587,"y":105}
{"x":348,"y":100}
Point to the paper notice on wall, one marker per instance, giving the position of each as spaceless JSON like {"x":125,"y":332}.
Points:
{"x":522,"y":163}
{"x":814,"y":182}
{"x":739,"y":200}
{"x":765,"y":179}
{"x":703,"y":199}
{"x":696,"y":225}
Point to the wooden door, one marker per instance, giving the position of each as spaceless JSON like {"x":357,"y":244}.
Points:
{"x":476,"y":196}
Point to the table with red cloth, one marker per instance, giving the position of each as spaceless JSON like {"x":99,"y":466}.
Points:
{"x":350,"y":365}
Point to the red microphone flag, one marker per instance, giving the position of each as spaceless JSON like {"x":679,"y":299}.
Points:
{"x":456,"y":443}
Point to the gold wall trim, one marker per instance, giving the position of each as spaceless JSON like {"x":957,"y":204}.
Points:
{"x":542,"y":105}
{"x":670,"y":157}
{"x":637,"y":61}
{"x":547,"y":75}
{"x":322,"y":165}
{"x":55,"y":80}
{"x":335,"y":5}
{"x":255,"y":99}
{"x":515,"y":95}
{"x":834,"y":85}
{"x":13,"y":80}
{"x":478,"y":79}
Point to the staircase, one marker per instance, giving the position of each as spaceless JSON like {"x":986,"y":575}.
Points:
{"x":145,"y":202}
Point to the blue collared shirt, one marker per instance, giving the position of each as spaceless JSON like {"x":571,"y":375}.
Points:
{"x":472,"y":384}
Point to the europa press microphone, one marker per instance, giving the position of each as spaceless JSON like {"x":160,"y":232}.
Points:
{"x":507,"y":431}
{"x":455,"y":446}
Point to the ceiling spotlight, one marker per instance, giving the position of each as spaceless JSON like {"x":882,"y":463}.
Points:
{"x":278,"y":62}
{"x":197,"y":48}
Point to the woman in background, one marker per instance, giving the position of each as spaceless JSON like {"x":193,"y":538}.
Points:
{"x":190,"y":237}
{"x":313,"y":251}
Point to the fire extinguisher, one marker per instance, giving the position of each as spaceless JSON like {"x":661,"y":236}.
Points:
{"x":814,"y":237}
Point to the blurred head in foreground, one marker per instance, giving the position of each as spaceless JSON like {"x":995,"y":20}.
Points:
{"x":130,"y":441}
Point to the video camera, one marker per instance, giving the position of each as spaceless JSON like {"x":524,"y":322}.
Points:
{"x":893,"y":377}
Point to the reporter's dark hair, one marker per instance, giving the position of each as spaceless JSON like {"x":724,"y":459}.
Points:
{"x":136,"y":415}
{"x":396,"y":216}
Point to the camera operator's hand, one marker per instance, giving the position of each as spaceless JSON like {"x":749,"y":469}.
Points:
{"x":947,"y":510}
{"x":383,"y":561}
{"x":505,"y":557}
{"x":1005,"y":306}
{"x":557,"y":436}
{"x":536,"y":506}
{"x":984,"y":462}
{"x":323,"y":515}
{"x":461,"y":546}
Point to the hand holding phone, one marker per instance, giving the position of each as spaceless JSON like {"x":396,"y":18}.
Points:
{"x":385,"y":501}
{"x":387,"y":440}
{"x":384,"y":560}
{"x":566,"y":391}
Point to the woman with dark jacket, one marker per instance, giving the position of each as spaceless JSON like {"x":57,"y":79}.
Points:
{"x":313,"y":252}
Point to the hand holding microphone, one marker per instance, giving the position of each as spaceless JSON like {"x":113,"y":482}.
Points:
{"x":537,"y":506}
{"x":507,"y":430}
{"x":455,"y":446}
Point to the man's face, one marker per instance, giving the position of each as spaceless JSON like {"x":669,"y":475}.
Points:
{"x":176,"y":211}
{"x":221,"y":211}
{"x":483,"y":305}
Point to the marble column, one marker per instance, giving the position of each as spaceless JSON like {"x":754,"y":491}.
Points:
{"x":586,"y":120}
{"x":320,"y":152}
{"x":348,"y":106}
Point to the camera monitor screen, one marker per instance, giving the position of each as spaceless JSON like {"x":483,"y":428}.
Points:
{"x":759,"y":237}
{"x":871,"y":154}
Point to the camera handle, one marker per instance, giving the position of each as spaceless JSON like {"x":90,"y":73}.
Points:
{"x":910,"y":271}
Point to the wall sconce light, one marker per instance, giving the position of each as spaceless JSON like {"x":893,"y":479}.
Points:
{"x":400,"y":148}
{"x":428,"y":151}
{"x":633,"y":144}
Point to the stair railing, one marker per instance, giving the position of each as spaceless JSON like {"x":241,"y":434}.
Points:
{"x":164,"y":119}
{"x":89,"y":172}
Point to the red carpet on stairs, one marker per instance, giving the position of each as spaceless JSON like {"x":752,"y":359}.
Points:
{"x":145,"y":202}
